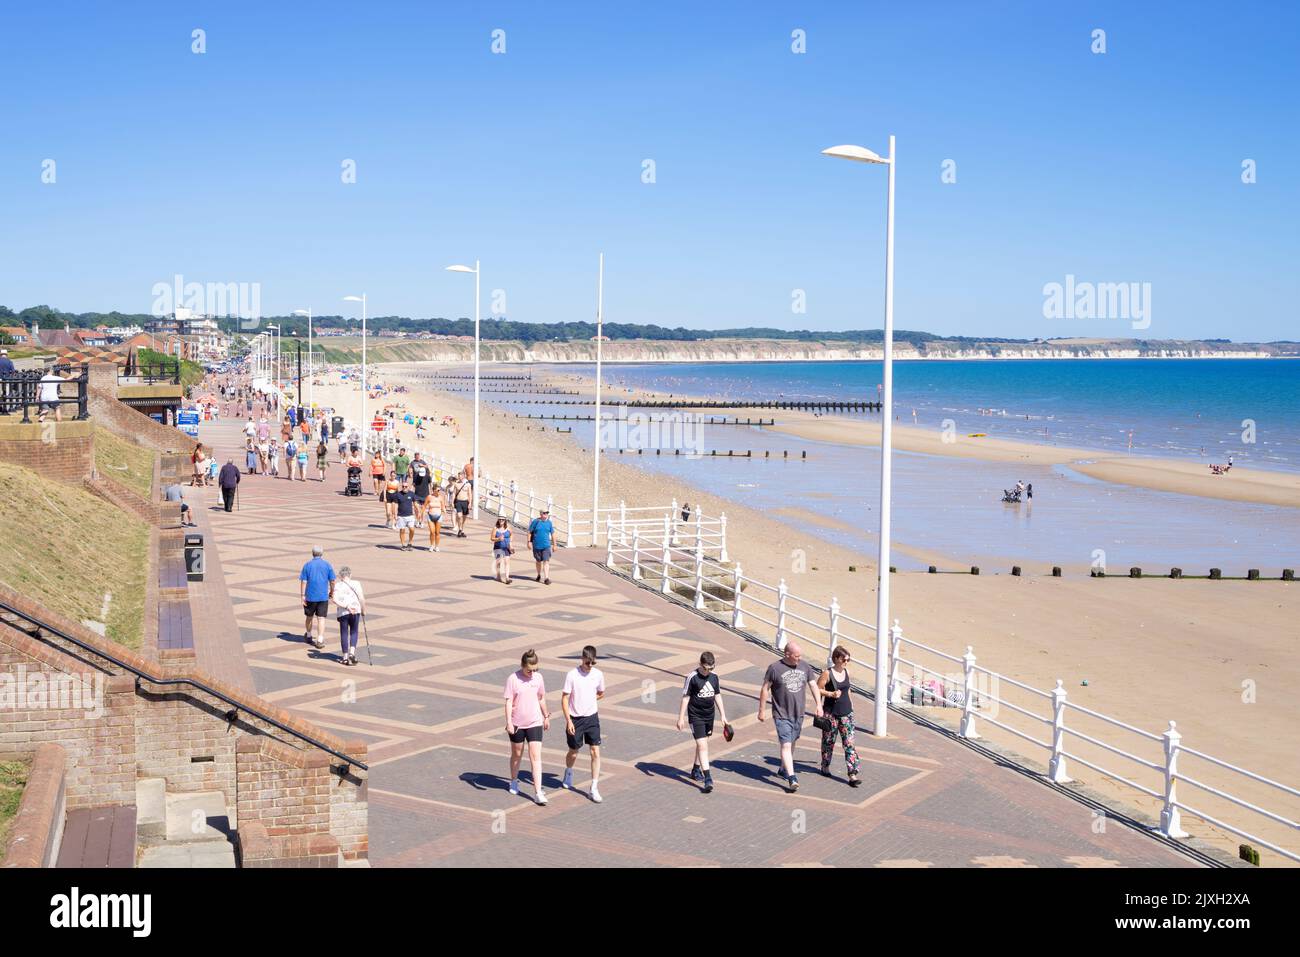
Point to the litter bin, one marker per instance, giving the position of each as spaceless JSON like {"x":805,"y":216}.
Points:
{"x":194,"y":557}
{"x":336,"y":425}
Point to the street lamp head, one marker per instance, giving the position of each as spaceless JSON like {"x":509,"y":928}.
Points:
{"x":859,"y":154}
{"x":301,"y":312}
{"x":351,"y":298}
{"x":460,"y":269}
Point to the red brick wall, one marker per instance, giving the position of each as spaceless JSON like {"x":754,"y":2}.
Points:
{"x":64,"y":451}
{"x":38,"y":827}
{"x":133,"y":425}
{"x":285,"y":790}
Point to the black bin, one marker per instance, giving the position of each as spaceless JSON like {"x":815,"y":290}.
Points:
{"x":194,"y":557}
{"x":336,"y":425}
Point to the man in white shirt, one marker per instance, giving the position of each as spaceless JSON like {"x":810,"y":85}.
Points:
{"x":49,"y":397}
{"x":584,"y":686}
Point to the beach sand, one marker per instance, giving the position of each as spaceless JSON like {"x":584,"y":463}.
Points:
{"x":1216,"y":656}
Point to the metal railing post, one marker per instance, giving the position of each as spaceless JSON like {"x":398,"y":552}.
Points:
{"x":895,"y":653}
{"x":699,"y":580}
{"x":568,"y":525}
{"x":835,"y":627}
{"x":609,"y":544}
{"x":1171,"y":824}
{"x":968,"y":729}
{"x":673,"y":519}
{"x":664,"y":588}
{"x":1056,"y":769}
{"x":622,"y":522}
{"x":780,"y":615}
{"x":722,"y":531}
{"x":738,"y":579}
{"x":699,"y":531}
{"x":636,"y":555}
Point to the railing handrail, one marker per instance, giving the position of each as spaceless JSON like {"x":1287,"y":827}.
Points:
{"x":206,"y":689}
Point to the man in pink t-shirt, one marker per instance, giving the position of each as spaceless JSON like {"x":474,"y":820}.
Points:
{"x":584,"y":686}
{"x":526,"y":718}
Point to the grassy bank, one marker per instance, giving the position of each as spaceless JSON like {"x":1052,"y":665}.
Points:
{"x":13,"y":777}
{"x":191,"y":372}
{"x":124,"y":461}
{"x":73,"y":552}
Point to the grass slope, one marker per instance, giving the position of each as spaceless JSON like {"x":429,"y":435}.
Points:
{"x":13,"y":777}
{"x":124,"y":461}
{"x":68,"y":549}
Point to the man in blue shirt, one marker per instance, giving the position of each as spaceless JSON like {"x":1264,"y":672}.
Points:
{"x":316,"y":587}
{"x":540,"y":533}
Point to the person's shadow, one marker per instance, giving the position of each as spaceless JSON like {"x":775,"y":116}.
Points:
{"x":483,"y":781}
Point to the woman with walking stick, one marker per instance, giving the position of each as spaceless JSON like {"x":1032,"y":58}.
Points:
{"x":350,"y":600}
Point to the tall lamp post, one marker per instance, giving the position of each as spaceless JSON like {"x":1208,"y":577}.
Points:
{"x":600,"y":336}
{"x":860,"y":154}
{"x":477,"y":467}
{"x":365,"y":388}
{"x":275,"y":361}
{"x":311,"y":371}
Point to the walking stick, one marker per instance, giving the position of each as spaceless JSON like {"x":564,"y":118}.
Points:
{"x":366,"y":631}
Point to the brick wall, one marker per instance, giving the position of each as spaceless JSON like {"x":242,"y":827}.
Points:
{"x":64,"y":451}
{"x":133,"y":425}
{"x":110,"y":490}
{"x":37,"y":828}
{"x":160,"y":731}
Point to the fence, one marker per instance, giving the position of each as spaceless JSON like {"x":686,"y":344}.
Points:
{"x":21,"y":390}
{"x":1057,"y":730}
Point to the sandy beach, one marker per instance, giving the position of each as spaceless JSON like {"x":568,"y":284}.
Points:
{"x":1149,"y":650}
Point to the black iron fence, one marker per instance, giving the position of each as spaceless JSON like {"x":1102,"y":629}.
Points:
{"x":49,"y":390}
{"x":153,"y":373}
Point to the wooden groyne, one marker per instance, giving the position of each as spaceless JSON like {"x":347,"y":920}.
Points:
{"x":826,"y":405}
{"x":711,"y":420}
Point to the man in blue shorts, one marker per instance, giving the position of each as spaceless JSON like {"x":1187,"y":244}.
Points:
{"x":316,"y":588}
{"x":787,"y":682}
{"x":540,"y":535}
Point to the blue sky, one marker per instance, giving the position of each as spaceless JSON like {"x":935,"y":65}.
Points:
{"x":225,"y":167}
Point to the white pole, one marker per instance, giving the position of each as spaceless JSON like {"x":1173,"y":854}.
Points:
{"x":880,"y":727}
{"x":365,"y":388}
{"x":600,"y":316}
{"x":474,"y":476}
{"x":311,"y":395}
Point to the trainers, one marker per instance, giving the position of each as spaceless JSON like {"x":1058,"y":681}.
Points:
{"x":794,"y":783}
{"x":826,"y":770}
{"x":538,"y":578}
{"x":541,"y":796}
{"x":567,"y":782}
{"x":547,"y":582}
{"x":595,"y":793}
{"x":708,"y":783}
{"x":436,"y":548}
{"x":318,"y":642}
{"x":696,"y":774}
{"x":514,"y":786}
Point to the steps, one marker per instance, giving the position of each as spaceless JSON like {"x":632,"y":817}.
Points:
{"x":182,"y":830}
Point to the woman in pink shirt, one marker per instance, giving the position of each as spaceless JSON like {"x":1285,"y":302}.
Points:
{"x":526,"y":718}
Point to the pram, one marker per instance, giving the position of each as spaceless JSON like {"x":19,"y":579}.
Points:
{"x":1011,"y":495}
{"x":354,"y":480}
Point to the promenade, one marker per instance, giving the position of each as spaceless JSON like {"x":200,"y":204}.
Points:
{"x":444,"y":637}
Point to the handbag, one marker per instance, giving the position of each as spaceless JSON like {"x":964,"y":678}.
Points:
{"x":821,"y":722}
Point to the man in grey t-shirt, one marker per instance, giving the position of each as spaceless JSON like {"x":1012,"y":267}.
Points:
{"x":787,"y":682}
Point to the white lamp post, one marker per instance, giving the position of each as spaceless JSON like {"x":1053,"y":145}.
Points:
{"x":600,"y":318}
{"x":365,"y":388}
{"x":311,"y":395}
{"x":861,"y":154}
{"x":275,"y":362}
{"x":477,"y":467}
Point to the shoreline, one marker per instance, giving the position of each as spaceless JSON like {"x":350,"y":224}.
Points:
{"x":1156,"y":473}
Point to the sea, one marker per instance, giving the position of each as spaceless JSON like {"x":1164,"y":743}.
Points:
{"x":1194,"y":410}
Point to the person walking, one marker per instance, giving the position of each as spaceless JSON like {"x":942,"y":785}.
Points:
{"x":263,"y":430}
{"x":541,"y":532}
{"x":250,"y":457}
{"x":584,"y":686}
{"x":377,"y":472}
{"x":350,"y":600}
{"x":322,"y":458}
{"x":501,"y":550}
{"x":199,"y":463}
{"x":420,"y":479}
{"x":834,"y":687}
{"x":290,"y":457}
{"x":526,"y":719}
{"x":460,"y":499}
{"x":228,"y":482}
{"x":316,"y":588}
{"x":402,"y":503}
{"x":389,"y":499}
{"x":300,"y":461}
{"x":701,"y":700}
{"x":274,"y":452}
{"x":401,"y":464}
{"x":788,"y":683}
{"x":434,"y":506}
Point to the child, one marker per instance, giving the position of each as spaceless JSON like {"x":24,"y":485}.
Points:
{"x":701,"y":695}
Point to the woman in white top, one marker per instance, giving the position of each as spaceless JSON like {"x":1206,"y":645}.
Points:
{"x":274,"y":451}
{"x":351,"y":602}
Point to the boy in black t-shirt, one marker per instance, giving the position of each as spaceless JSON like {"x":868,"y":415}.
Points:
{"x":701,"y":696}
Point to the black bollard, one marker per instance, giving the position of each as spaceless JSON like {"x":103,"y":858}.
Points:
{"x":1252,"y":574}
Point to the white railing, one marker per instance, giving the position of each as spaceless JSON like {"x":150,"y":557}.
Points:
{"x":1057,"y":730}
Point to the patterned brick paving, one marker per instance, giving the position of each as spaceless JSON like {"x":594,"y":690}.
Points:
{"x":444,"y":636}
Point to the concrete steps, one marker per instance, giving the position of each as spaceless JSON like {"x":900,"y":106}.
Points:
{"x":182,"y":830}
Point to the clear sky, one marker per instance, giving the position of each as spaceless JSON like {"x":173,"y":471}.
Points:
{"x":226,"y":166}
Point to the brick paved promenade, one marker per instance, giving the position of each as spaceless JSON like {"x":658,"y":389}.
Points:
{"x":445,"y":636}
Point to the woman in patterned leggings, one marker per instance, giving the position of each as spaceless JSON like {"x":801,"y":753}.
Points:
{"x":834,"y":687}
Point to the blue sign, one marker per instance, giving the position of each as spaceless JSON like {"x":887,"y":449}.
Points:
{"x":187,"y":417}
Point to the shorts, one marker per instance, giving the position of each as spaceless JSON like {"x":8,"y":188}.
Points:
{"x":526,"y":734}
{"x":320,"y":609}
{"x":421,"y":493}
{"x":462,"y":507}
{"x":787,"y":732}
{"x":701,"y":728}
{"x":542,"y":554}
{"x":586,"y":730}
{"x":499,"y":553}
{"x":406,"y":521}
{"x":435,"y":518}
{"x":48,"y":406}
